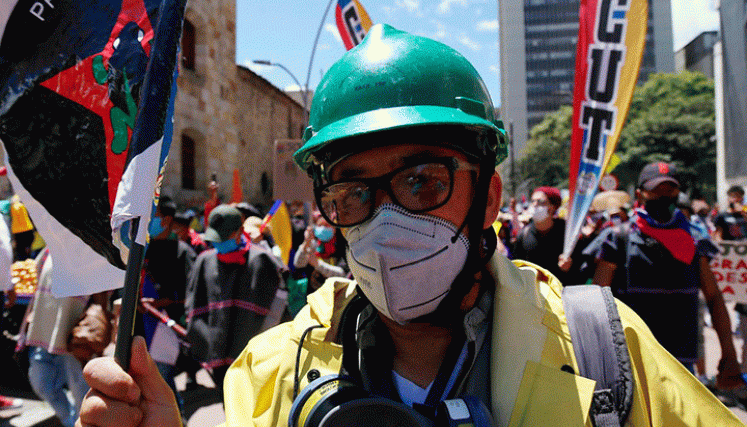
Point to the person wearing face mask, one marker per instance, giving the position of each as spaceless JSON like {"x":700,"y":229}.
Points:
{"x":168,"y":261}
{"x":230,"y":292}
{"x":701,"y":216}
{"x":541,"y":240}
{"x":323,"y":252}
{"x":732,"y":224}
{"x":653,"y":262}
{"x":402,"y":146}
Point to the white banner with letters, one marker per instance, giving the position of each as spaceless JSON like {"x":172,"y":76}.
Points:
{"x":730,"y":270}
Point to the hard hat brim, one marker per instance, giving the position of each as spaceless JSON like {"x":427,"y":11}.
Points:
{"x":387,"y":119}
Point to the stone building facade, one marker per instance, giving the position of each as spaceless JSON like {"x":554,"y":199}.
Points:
{"x":226,"y":117}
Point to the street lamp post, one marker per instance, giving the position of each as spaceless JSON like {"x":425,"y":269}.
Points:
{"x":301,"y":88}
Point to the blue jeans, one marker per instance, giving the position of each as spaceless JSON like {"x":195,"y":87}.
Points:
{"x":168,"y":372}
{"x":50,"y":374}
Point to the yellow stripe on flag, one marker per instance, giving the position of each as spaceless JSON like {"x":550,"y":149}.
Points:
{"x":282,"y":232}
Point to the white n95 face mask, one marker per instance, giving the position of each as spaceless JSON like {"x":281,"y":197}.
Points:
{"x":540,"y":213}
{"x":405,"y":263}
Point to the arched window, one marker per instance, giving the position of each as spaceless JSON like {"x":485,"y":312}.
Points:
{"x":264,"y":183}
{"x":188,"y":163}
{"x":188,"y":45}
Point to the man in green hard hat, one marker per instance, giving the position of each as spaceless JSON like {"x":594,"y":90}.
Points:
{"x":436,"y":328}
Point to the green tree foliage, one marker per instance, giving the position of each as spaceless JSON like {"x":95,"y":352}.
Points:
{"x":546,"y":155}
{"x":671,"y":118}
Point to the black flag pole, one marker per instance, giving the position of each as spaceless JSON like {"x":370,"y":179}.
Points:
{"x":126,"y":326}
{"x":149,"y":125}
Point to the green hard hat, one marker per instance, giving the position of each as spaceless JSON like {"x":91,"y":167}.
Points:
{"x":395,"y":80}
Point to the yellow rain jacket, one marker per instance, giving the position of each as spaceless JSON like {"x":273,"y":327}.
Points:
{"x":529,"y":346}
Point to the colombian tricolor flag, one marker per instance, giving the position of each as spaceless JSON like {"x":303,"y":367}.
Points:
{"x":352,"y":22}
{"x":611,"y":38}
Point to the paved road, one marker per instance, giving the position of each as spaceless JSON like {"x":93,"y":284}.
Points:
{"x":205,"y":409}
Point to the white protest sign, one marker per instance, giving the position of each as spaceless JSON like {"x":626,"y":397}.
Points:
{"x":730,"y":270}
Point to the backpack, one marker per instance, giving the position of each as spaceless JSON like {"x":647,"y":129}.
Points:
{"x":601,"y":351}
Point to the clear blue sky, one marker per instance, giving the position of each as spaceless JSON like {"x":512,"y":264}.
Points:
{"x":284,"y":32}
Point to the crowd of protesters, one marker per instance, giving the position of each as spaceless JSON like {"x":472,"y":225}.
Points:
{"x":218,"y":272}
{"x":233,"y":281}
{"x":214,"y":270}
{"x":653,"y":250}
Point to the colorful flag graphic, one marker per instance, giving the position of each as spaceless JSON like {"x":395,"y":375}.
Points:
{"x":352,"y":22}
{"x":71,"y":75}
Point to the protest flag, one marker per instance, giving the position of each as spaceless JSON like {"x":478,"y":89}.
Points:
{"x":282,"y":231}
{"x":64,"y":110}
{"x":611,"y":38}
{"x":139,"y":188}
{"x":268,"y":216}
{"x":237,"y":194}
{"x":353,"y":22}
{"x":278,"y":218}
{"x":86,"y":100}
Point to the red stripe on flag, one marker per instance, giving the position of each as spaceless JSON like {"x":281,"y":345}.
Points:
{"x":586,"y":21}
{"x":346,"y":38}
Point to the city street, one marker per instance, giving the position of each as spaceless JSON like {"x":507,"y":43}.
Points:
{"x":204,"y":408}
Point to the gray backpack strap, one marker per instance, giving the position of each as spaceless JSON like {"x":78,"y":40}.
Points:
{"x":601,"y":351}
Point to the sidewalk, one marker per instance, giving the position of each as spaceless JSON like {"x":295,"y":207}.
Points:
{"x":203,"y":407}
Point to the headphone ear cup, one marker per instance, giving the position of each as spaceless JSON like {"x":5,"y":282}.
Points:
{"x":374,"y":412}
{"x":335,"y":400}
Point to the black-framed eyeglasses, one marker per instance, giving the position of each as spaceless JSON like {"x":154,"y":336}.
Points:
{"x":418,"y":188}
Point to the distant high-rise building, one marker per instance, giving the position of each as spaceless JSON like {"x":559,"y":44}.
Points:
{"x":538,"y":57}
{"x":731,"y":97}
{"x":697,"y":55}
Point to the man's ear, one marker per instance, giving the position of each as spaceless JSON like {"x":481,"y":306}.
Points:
{"x":493,"y":205}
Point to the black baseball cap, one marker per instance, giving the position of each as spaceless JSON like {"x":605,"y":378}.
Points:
{"x":656,"y":173}
{"x":223,"y":221}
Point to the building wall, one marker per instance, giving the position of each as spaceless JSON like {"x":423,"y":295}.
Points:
{"x":232,"y":114}
{"x":697,"y":55}
{"x":513,"y":106}
{"x":733,"y":108}
{"x":265,"y":114}
{"x":660,"y":21}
